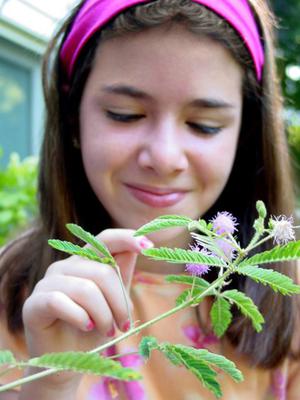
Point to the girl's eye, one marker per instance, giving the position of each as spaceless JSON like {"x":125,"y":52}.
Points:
{"x":123,"y":117}
{"x":205,"y":129}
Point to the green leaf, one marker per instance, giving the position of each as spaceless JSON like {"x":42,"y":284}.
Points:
{"x":193,"y":363}
{"x":288,"y":252}
{"x":147,"y":344}
{"x":183,"y":297}
{"x":7,"y":357}
{"x":186,"y":295}
{"x":220,"y":316}
{"x":88,"y":238}
{"x":86,"y":363}
{"x":278,"y":282}
{"x":180,"y":256}
{"x":163,"y":222}
{"x":73,"y":249}
{"x":215,"y":360}
{"x":188,"y":280}
{"x":247,"y":307}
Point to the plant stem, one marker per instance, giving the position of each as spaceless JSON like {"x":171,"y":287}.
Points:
{"x":251,"y":247}
{"x":125,"y":296}
{"x":193,"y":286}
{"x":218,"y":282}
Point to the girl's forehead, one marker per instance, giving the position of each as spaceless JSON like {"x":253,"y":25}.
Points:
{"x":176,"y":60}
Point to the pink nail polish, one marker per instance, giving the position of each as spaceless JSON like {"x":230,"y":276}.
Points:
{"x":146,"y":243}
{"x":111,"y":333}
{"x":91,"y":325}
{"x":126,"y":326}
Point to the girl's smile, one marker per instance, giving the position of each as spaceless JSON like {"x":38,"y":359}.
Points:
{"x":160,"y":118}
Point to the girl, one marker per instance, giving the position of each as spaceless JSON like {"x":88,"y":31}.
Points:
{"x":153,"y":107}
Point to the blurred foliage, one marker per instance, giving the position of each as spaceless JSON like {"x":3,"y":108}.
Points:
{"x":288,"y":15}
{"x":18,"y":202}
{"x":288,"y":55}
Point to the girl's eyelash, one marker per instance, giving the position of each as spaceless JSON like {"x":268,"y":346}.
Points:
{"x":123,"y":117}
{"x":205,"y":129}
{"x":201,"y":128}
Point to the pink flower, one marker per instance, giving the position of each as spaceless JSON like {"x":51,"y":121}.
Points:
{"x":198,"y":269}
{"x":199,"y":340}
{"x":228,"y":250}
{"x":110,"y":388}
{"x":282,"y":229}
{"x":224,"y":222}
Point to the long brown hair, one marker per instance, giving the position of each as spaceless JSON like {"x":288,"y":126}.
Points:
{"x":261,"y":169}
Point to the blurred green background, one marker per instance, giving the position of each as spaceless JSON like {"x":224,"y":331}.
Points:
{"x":18,"y":173}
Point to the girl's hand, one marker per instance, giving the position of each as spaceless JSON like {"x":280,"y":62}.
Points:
{"x":78,"y":303}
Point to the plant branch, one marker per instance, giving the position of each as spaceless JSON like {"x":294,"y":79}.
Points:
{"x":218,"y":282}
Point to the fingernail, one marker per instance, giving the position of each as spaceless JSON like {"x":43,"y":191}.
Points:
{"x":111,"y":333}
{"x":126,"y":326}
{"x":145,"y":243}
{"x":91,"y":325}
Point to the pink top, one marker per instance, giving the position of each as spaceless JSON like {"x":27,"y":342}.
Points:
{"x":96,"y":13}
{"x":162,"y":380}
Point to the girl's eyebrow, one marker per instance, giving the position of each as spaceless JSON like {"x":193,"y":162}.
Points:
{"x":135,"y":93}
{"x":127,"y":91}
{"x":211,"y":103}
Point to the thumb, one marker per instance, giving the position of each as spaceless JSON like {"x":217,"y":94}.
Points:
{"x":126,"y":262}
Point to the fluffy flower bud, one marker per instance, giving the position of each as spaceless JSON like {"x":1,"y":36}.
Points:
{"x":224,"y":222}
{"x":282,"y":229}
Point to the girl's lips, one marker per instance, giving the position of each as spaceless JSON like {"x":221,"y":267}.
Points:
{"x":159,"y":198}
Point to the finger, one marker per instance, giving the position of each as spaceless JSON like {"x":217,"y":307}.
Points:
{"x":126,"y":262}
{"x":43,"y":309}
{"x":122,"y":240}
{"x":87,"y":295}
{"x":106,"y":279}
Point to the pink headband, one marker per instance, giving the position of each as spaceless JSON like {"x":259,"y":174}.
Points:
{"x":96,"y":13}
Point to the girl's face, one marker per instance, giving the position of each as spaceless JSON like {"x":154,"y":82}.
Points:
{"x":159,"y":121}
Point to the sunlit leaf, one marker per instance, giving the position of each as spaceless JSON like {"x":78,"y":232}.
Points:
{"x":246,"y":306}
{"x":215,"y":360}
{"x":278,"y":282}
{"x":194,"y":364}
{"x":181,"y":256}
{"x":220,"y":316}
{"x":85,"y":363}
{"x":147,"y":344}
{"x":163,"y":222}
{"x":74,"y":249}
{"x":88,"y":238}
{"x":7,"y":357}
{"x":288,"y":252}
{"x":188,"y":280}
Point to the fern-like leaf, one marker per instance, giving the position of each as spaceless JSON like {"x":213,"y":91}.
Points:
{"x":278,"y":282}
{"x":7,"y":358}
{"x":214,"y":360}
{"x":288,"y":252}
{"x":85,"y":363}
{"x":74,"y":249}
{"x":246,"y":306}
{"x":88,"y":238}
{"x":163,"y":222}
{"x":147,"y":344}
{"x":220,"y":316}
{"x":188,"y":280}
{"x":199,"y":368}
{"x":186,"y":296}
{"x":180,"y":256}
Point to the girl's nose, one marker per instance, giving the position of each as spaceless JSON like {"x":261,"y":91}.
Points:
{"x":163,"y":149}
